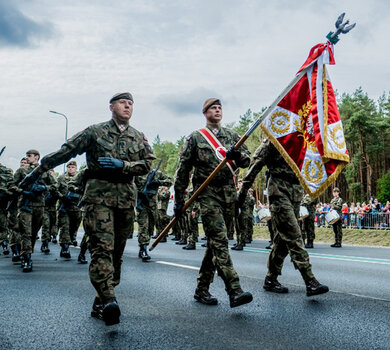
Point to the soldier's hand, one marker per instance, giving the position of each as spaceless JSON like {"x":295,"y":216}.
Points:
{"x":233,"y":154}
{"x":110,"y":163}
{"x":178,"y":208}
{"x":31,"y":178}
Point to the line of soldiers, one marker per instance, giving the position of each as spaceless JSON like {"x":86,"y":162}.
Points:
{"x":119,"y":156}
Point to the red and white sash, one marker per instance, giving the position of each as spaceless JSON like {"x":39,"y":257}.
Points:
{"x":220,"y":150}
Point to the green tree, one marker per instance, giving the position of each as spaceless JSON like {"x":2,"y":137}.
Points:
{"x":383,"y":193}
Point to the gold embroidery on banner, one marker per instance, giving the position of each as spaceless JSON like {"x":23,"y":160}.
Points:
{"x":313,"y":173}
{"x":301,"y":127}
{"x":333,"y":136}
{"x":280,"y":126}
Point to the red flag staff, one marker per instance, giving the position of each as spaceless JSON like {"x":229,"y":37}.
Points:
{"x":333,"y":38}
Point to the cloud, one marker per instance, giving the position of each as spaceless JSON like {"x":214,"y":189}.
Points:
{"x":186,"y":103}
{"x":16,"y":29}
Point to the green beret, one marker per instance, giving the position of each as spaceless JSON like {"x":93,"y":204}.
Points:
{"x":122,"y":96}
{"x":71,"y":162}
{"x":210,"y":102}
{"x":33,"y":151}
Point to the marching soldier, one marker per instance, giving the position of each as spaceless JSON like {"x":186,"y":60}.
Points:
{"x":336,"y":204}
{"x":284,"y":193}
{"x":242,"y":222}
{"x":69,"y":214}
{"x":147,"y":210}
{"x":6,"y":177}
{"x":30,"y":207}
{"x":249,"y":218}
{"x":201,"y":153}
{"x":308,"y":229}
{"x":115,"y":153}
{"x":163,"y":196}
{"x":49,"y":220}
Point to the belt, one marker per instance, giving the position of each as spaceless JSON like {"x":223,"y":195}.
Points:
{"x":216,"y":182}
{"x":111,"y":177}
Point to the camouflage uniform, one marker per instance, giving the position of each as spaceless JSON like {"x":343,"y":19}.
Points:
{"x":163,"y":219}
{"x":49,"y":220}
{"x":215,"y":201}
{"x":252,"y":202}
{"x":337,"y":204}
{"x":5,"y":182}
{"x":109,"y":196}
{"x":242,"y":222}
{"x":193,"y":228}
{"x":69,"y":214}
{"x":308,"y":229}
{"x":147,"y":217}
{"x":30,"y":215}
{"x":285,"y":194}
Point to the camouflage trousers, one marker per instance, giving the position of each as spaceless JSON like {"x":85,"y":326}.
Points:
{"x":229,"y":216}
{"x":29,"y":225}
{"x":217,"y":256}
{"x":13,"y":229}
{"x":68,"y":225}
{"x":193,"y":227}
{"x":3,"y":225}
{"x":146,"y":220}
{"x":242,"y":228}
{"x":162,"y":220}
{"x":287,"y":239}
{"x":308,"y":229}
{"x":49,"y":224}
{"x":338,"y":231}
{"x":107,"y":229}
{"x":249,"y":226}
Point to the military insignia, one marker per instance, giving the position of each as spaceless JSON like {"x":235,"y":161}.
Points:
{"x":220,"y":152}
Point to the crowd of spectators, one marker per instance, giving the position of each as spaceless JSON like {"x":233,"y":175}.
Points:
{"x":370,"y":214}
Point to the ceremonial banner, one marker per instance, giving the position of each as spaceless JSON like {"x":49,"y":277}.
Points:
{"x":306,"y":128}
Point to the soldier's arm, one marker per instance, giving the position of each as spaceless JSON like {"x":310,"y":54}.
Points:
{"x":182,"y":176}
{"x":144,"y":164}
{"x":255,"y":167}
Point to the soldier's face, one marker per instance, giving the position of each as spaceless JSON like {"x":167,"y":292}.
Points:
{"x":32,"y":158}
{"x":122,"y":110}
{"x":23,"y":163}
{"x":214,"y":114}
{"x":71,"y":169}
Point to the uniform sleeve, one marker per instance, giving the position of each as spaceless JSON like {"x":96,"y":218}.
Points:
{"x":144,"y":164}
{"x":77,"y":144}
{"x":182,"y":176}
{"x":255,"y":166}
{"x":245,"y":159}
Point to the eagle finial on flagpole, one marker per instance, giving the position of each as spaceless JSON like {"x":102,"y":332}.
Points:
{"x":341,"y":27}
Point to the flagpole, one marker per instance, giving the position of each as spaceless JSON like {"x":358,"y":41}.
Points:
{"x":333,"y":37}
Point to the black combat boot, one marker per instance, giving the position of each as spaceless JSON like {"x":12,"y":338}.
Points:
{"x":239,"y":297}
{"x":273,"y":285}
{"x":22,"y":257}
{"x":15,"y":253}
{"x":143,"y":253}
{"x":5,"y":248}
{"x":336,"y":245}
{"x":204,"y":297}
{"x":111,"y":312}
{"x":190,"y":246}
{"x":54,"y":239}
{"x":313,"y":287}
{"x":183,"y":241}
{"x":309,"y":244}
{"x":81,"y":258}
{"x":155,"y":236}
{"x":65,"y":253}
{"x":74,"y":241}
{"x":269,"y":246}
{"x":237,"y":247}
{"x":97,"y":308}
{"x":27,"y":263}
{"x":163,"y":240}
{"x":45,"y":247}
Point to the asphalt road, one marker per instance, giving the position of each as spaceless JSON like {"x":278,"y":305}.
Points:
{"x":50,"y":307}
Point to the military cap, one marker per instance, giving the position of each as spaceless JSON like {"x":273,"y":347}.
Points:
{"x":336,"y":189}
{"x":210,"y":102}
{"x":122,"y":95}
{"x":71,"y":162}
{"x":33,"y":151}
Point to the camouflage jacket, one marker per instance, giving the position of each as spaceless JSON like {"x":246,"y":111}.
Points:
{"x":337,"y":204}
{"x":309,"y":203}
{"x":165,"y":180}
{"x":282,"y":182}
{"x":39,"y":199}
{"x":6,"y":178}
{"x":197,"y":154}
{"x":63,"y":182}
{"x":110,"y":187}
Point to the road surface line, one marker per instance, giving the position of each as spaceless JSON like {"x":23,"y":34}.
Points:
{"x":178,"y":265}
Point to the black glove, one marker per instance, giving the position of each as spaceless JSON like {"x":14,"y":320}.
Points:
{"x":233,"y":154}
{"x":155,"y":183}
{"x":178,"y":208}
{"x":39,"y":188}
{"x":30,"y":178}
{"x":110,"y":163}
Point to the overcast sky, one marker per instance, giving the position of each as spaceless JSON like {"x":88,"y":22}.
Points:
{"x":72,"y":56}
